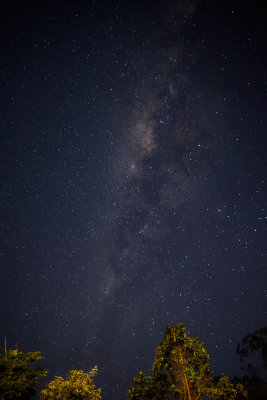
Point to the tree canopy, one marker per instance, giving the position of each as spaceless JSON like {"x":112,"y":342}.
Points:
{"x":17,"y":379}
{"x":181,"y":370}
{"x":78,"y":386}
{"x":253,"y":354}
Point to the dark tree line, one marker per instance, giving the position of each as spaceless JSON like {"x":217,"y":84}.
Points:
{"x":180,"y":371}
{"x":252,"y":352}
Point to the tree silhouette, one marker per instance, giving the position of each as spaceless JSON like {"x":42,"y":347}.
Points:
{"x":253,"y":354}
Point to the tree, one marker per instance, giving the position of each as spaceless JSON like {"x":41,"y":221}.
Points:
{"x":149,"y":387}
{"x":78,"y":386}
{"x":253,"y":351}
{"x":181,"y":370}
{"x":17,"y":379}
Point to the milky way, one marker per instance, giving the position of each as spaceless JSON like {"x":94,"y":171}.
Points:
{"x":165,"y":158}
{"x":134,"y":139}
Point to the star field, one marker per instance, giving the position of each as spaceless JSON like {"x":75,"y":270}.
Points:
{"x":133,"y":173}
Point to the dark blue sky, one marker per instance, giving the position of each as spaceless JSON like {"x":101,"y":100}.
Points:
{"x":133,"y":142}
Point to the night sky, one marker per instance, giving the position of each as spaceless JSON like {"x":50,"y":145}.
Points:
{"x":133,"y":149}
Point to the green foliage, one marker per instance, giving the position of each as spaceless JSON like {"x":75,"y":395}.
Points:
{"x":17,"y":379}
{"x":78,"y":386}
{"x":181,"y":370}
{"x":225,"y":389}
{"x":148,"y":387}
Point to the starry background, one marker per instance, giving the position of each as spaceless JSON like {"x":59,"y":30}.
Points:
{"x":133,"y":141}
